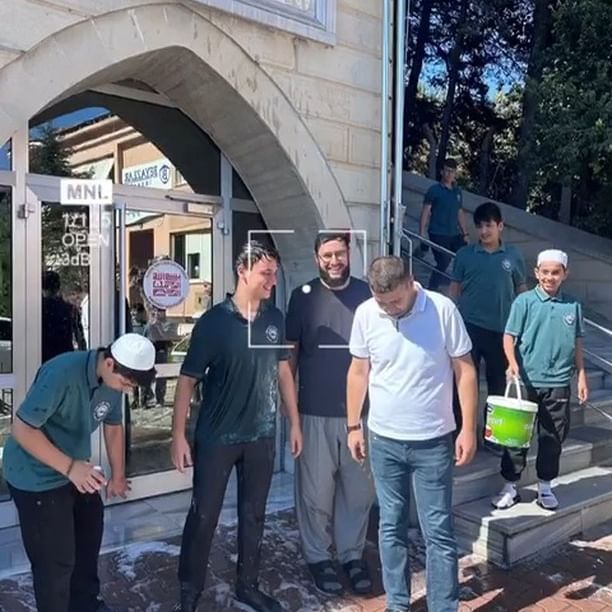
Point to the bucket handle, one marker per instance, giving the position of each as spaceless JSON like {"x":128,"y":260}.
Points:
{"x":514,"y":381}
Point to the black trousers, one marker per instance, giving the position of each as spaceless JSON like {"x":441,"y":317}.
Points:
{"x":62,"y":533}
{"x":487,"y":345}
{"x":552,"y":425}
{"x":452,"y":243}
{"x":254,"y":463}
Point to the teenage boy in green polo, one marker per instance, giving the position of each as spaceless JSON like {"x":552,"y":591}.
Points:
{"x":487,"y":276}
{"x":543,"y":345}
{"x":47,"y":466}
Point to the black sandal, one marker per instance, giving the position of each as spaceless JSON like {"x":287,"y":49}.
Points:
{"x":358,"y":574}
{"x":326,"y":578}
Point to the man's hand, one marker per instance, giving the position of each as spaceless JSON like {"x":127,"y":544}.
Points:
{"x":180,"y":453}
{"x":296,"y":440}
{"x":513,"y":371}
{"x":583,"y":387}
{"x":118,"y":486}
{"x":85,"y":477}
{"x":356,"y":444}
{"x":465,"y":447}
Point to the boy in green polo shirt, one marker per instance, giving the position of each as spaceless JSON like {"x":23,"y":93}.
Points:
{"x":47,"y":466}
{"x":543,"y":345}
{"x":487,"y":276}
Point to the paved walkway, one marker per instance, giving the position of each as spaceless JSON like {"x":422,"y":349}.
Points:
{"x":140,"y":577}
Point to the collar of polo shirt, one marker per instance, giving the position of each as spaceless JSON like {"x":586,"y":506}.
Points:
{"x":500,"y":248}
{"x":545,"y":297}
{"x":418,"y":306}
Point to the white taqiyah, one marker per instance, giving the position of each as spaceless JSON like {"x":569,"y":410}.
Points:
{"x":134,"y":351}
{"x":553,"y":256}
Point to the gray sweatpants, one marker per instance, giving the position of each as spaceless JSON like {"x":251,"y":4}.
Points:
{"x":333,"y":493}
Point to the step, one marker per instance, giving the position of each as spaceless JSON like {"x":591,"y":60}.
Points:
{"x":506,"y":537}
{"x":587,"y":415}
{"x":586,"y":446}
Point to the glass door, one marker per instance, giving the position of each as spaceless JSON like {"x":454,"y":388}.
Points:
{"x":177,"y":234}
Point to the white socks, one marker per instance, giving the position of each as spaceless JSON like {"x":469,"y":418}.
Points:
{"x":546,"y":497}
{"x":507,"y":497}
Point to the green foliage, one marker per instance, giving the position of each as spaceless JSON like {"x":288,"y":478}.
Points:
{"x":61,"y":224}
{"x":572,"y":137}
{"x":574,"y":127}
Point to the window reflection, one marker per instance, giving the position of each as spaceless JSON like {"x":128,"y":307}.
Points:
{"x":65,"y":279}
{"x":6,"y":286}
{"x":6,"y":409}
{"x":5,"y":156}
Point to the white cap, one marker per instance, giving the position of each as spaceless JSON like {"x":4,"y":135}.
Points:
{"x":553,"y":256}
{"x":134,"y":352}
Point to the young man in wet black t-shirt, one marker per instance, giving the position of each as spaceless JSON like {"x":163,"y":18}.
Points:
{"x":237,"y":350}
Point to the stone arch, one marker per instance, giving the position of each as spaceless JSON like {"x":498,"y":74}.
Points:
{"x":211,"y":78}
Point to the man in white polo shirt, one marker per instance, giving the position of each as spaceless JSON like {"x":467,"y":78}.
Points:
{"x":406,"y":343}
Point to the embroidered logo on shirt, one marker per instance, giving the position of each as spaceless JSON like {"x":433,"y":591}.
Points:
{"x":101,"y":410}
{"x":272,"y":333}
{"x":506,"y":265}
{"x":569,"y":319}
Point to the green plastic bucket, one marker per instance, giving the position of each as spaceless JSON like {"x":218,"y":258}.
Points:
{"x":510,"y":420}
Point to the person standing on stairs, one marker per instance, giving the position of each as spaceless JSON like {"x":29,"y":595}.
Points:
{"x":487,"y":276}
{"x":543,"y":345}
{"x":443,"y":216}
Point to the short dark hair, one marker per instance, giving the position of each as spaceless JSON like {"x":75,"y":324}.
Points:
{"x":142,"y":378}
{"x":387,"y":273}
{"x":328,"y":235}
{"x":51,"y":281}
{"x":449,"y":162}
{"x":254,"y":251}
{"x":489,"y":211}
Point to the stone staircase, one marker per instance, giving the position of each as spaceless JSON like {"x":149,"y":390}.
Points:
{"x":584,"y":487}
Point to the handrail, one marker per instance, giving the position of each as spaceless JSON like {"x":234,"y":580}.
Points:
{"x":600,"y":328}
{"x":409,"y":234}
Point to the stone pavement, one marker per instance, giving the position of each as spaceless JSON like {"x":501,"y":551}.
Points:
{"x":140,"y":577}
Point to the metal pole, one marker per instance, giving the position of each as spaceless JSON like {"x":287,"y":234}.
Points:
{"x":384,"y":130}
{"x":122,"y":269}
{"x":398,"y":121}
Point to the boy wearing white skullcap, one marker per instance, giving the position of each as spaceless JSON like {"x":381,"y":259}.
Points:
{"x":543,"y":346}
{"x":52,"y":478}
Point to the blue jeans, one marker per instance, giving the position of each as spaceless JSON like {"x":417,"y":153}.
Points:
{"x":429,"y":464}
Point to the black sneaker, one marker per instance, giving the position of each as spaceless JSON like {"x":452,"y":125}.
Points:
{"x":257,"y":599}
{"x":326,"y":578}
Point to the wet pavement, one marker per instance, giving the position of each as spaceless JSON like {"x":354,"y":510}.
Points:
{"x":141,"y":577}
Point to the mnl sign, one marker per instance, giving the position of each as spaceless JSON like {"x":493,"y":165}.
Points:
{"x":165,"y":284}
{"x":82,"y":192}
{"x":154,"y":174}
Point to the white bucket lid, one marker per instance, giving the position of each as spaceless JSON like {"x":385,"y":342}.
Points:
{"x":512,"y":403}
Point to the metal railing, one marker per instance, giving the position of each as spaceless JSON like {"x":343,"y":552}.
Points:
{"x":411,"y":254}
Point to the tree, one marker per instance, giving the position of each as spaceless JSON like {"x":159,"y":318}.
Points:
{"x":574,"y":123}
{"x":542,"y":29}
{"x":65,"y":230}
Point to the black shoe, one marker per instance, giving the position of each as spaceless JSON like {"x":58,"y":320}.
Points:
{"x":189,"y":599}
{"x":326,"y":578}
{"x":257,"y":599}
{"x":359,"y":576}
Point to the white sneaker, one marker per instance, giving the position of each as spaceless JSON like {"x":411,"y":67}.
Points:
{"x":507,"y":497}
{"x":546,"y":498}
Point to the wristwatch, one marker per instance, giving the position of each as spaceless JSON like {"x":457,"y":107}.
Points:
{"x":350,"y":428}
